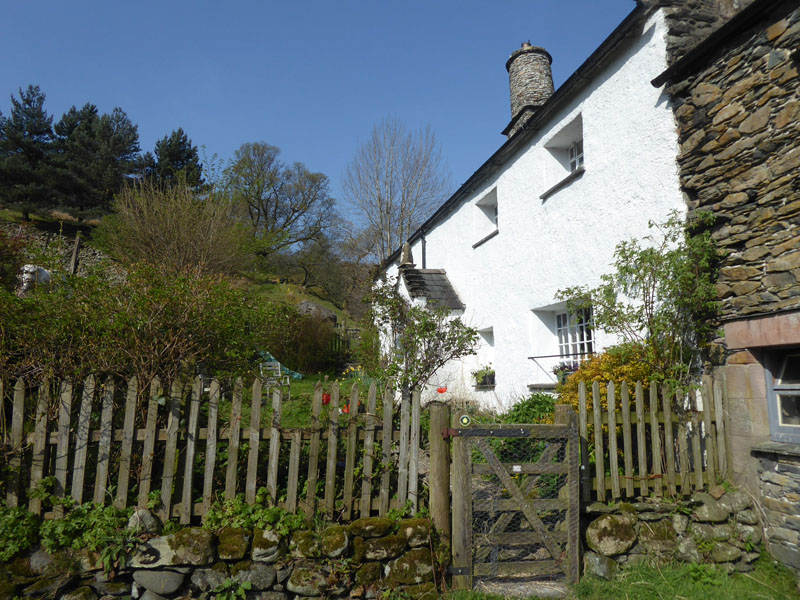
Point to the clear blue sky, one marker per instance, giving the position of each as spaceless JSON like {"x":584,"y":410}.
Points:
{"x":310,"y":77}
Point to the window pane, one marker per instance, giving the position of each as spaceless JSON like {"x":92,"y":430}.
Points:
{"x":789,"y":407}
{"x":790,"y":370}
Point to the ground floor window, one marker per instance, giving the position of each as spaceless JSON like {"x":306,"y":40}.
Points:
{"x":575,"y":335}
{"x":783,"y":382}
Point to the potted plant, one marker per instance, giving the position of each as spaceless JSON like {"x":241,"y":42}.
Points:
{"x":484,"y":376}
{"x":563,"y":370}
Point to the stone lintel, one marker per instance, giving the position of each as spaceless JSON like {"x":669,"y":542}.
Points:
{"x":776,"y":330}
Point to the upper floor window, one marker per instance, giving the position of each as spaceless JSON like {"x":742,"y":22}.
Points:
{"x":575,"y":155}
{"x":784,"y":396}
{"x":575,"y":335}
{"x":566,"y":152}
{"x":486,"y":217}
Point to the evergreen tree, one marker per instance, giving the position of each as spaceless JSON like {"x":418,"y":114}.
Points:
{"x":177,"y":158}
{"x":25,"y":154}
{"x":95,"y":153}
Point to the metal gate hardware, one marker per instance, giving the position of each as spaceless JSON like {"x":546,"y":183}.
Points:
{"x":459,"y":570}
{"x":449,"y":432}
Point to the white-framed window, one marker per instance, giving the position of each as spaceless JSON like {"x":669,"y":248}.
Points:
{"x":575,"y":334}
{"x":783,"y":378}
{"x":575,"y":152}
{"x":486,"y":216}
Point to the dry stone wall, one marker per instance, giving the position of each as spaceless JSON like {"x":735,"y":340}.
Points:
{"x":60,"y":245}
{"x":739,"y":131}
{"x":359,"y":560}
{"x":779,"y":474}
{"x":718,"y":527}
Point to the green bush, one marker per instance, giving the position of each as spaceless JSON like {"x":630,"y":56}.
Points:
{"x":539,"y":407}
{"x":238,"y":513}
{"x":19,"y":530}
{"x":151,"y":323}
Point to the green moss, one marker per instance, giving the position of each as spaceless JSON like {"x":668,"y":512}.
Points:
{"x":371,"y":527}
{"x":238,"y":567}
{"x":335,"y":541}
{"x":368,"y":573}
{"x":306,"y":544}
{"x":626,"y":507}
{"x":192,"y":545}
{"x":415,"y":566}
{"x":233,"y":542}
{"x":359,"y":549}
{"x":421,"y":591}
{"x":389,"y":546}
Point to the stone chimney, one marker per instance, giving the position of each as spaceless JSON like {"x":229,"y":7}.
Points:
{"x":530,"y":81}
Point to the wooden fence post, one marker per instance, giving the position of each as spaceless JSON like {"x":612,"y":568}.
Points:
{"x":440,"y":470}
{"x":462,"y":514}
{"x":565,"y":415}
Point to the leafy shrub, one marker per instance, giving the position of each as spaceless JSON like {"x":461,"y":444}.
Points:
{"x":537,"y":408}
{"x":19,"y":530}
{"x":11,"y":259}
{"x":151,"y":323}
{"x":660,"y":297}
{"x":625,"y":362}
{"x":238,"y":513}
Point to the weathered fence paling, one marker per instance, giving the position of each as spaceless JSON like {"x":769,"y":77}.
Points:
{"x":681,"y":445}
{"x":142,"y":437}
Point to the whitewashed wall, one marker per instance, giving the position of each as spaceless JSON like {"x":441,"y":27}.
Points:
{"x":630,"y":146}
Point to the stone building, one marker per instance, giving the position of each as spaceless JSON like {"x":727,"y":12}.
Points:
{"x":737,"y":110}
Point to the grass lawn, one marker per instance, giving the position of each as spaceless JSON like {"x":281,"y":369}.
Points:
{"x":769,"y":581}
{"x":296,"y":412}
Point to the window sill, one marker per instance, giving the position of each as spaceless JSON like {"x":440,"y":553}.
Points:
{"x":780,"y":448}
{"x":485,"y":388}
{"x":576,"y":174}
{"x":486,"y":239}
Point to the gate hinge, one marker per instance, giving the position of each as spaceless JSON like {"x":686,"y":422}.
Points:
{"x":459,"y":570}
{"x":449,"y":432}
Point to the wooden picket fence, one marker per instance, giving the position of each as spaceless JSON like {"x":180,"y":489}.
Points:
{"x":652,"y":441}
{"x":182,"y":447}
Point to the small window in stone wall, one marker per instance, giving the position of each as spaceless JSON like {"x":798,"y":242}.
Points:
{"x":783,"y":383}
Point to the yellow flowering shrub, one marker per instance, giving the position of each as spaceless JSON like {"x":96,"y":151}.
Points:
{"x":627,"y":362}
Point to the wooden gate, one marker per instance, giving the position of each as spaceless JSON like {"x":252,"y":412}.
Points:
{"x":515,"y":503}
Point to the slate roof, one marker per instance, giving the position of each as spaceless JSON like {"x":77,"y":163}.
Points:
{"x":433,"y":285}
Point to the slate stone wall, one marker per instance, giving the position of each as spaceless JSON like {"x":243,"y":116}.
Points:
{"x":739,"y":131}
{"x":780,"y":486}
{"x":718,"y":527}
{"x":359,"y":560}
{"x":691,"y":21}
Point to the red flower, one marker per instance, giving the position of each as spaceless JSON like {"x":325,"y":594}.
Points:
{"x":441,"y":389}
{"x":326,"y":398}
{"x":346,"y":409}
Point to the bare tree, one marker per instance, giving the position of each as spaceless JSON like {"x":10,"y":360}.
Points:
{"x":287,"y":204}
{"x":395,"y":180}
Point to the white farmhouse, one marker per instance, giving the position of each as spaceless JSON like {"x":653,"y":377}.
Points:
{"x":583,"y":168}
